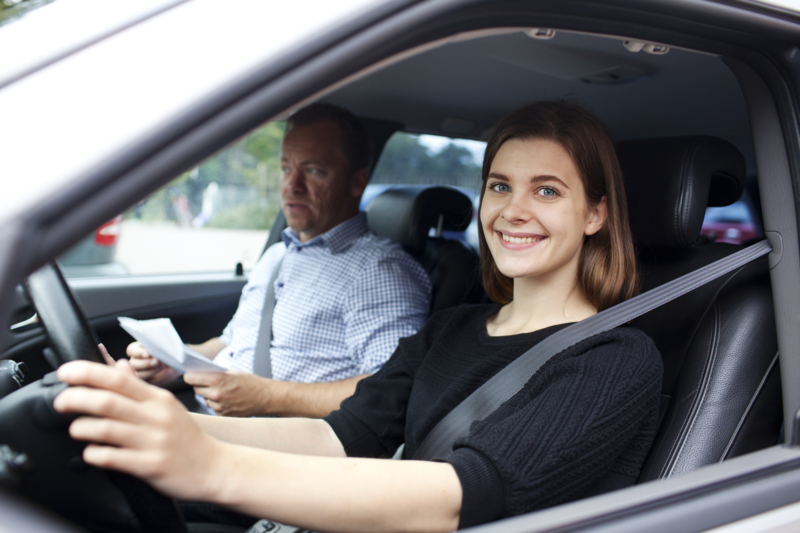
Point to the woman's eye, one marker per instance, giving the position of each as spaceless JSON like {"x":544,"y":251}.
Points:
{"x":499,"y":187}
{"x":547,"y":192}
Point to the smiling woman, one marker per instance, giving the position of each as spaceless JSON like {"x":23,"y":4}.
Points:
{"x":535,"y":216}
{"x":562,"y":159}
{"x":603,"y":391}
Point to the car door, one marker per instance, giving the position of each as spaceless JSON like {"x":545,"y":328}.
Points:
{"x":182,"y":252}
{"x":757,"y":43}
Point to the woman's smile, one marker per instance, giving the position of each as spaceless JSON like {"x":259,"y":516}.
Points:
{"x":519,"y":241}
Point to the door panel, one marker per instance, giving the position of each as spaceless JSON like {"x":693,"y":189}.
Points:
{"x":199,"y":305}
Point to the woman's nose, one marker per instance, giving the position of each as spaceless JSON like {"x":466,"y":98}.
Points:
{"x":516,"y":209}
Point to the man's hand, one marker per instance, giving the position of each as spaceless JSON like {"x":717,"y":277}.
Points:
{"x":239,"y":394}
{"x":148,"y":367}
{"x":233,"y":393}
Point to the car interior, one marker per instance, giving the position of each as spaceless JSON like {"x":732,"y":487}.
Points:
{"x":684,"y":141}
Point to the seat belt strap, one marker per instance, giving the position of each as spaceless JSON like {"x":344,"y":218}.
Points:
{"x":262,"y":363}
{"x":438,"y":444}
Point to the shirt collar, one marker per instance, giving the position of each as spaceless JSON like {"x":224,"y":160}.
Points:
{"x":337,"y":238}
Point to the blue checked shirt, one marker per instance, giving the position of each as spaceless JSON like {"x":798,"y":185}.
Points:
{"x":343,"y":300}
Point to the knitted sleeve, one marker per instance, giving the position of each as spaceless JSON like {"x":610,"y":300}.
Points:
{"x":576,"y":421}
{"x":372,"y":422}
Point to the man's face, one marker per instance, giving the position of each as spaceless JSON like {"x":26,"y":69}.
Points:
{"x":318,"y":190}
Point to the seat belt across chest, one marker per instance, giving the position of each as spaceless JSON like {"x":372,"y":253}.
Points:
{"x":262,"y":364}
{"x":438,"y":444}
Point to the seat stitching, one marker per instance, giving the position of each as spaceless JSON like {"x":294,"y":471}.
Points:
{"x":749,"y":407}
{"x":686,"y":165}
{"x":670,"y":463}
{"x":708,"y":370}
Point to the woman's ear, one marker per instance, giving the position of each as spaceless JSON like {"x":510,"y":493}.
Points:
{"x":597,"y":217}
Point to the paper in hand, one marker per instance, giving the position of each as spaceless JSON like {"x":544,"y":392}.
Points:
{"x":159,"y":337}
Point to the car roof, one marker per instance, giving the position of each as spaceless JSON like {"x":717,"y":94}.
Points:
{"x":461,"y":86}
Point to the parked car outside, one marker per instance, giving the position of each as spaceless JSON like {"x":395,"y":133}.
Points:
{"x":95,"y":254}
{"x":732,"y":223}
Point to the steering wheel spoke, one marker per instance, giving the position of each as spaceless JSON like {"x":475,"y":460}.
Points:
{"x":70,"y":335}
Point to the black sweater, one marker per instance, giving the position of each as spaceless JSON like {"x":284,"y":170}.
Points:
{"x":581,"y":425}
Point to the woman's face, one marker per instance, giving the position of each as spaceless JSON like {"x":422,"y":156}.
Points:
{"x":534,"y":212}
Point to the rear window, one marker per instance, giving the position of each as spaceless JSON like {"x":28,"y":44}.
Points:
{"x":430,"y":160}
{"x":409,"y":159}
{"x":733,"y":224}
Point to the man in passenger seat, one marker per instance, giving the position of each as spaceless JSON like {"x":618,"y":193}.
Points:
{"x":343,"y":295}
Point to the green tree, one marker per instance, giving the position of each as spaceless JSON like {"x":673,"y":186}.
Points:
{"x":250,"y":164}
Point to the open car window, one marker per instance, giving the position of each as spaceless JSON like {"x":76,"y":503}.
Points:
{"x":208,"y":219}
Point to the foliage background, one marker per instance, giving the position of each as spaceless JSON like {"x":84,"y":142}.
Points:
{"x":245,"y":180}
{"x":11,"y":10}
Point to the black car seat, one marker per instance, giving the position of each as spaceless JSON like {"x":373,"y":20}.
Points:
{"x":721,"y":393}
{"x":406,"y":215}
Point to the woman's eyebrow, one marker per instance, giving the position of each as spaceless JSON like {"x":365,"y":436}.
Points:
{"x":498,"y":176}
{"x":546,"y":178}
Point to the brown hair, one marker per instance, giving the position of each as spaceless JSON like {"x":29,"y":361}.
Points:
{"x":355,"y":139}
{"x":607,"y":267}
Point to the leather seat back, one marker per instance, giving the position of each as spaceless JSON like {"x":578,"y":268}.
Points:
{"x":406,"y":215}
{"x":721,"y":392}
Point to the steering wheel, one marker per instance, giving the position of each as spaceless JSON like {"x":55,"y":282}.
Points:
{"x":59,"y":479}
{"x":70,"y":335}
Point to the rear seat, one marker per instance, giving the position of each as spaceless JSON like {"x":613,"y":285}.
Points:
{"x":406,"y":215}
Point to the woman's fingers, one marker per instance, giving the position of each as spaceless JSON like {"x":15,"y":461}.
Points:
{"x":107,"y":358}
{"x":106,"y":377}
{"x":142,"y":464}
{"x":136,"y":428}
{"x":110,"y":431}
{"x":124,"y":366}
{"x":102,"y":403}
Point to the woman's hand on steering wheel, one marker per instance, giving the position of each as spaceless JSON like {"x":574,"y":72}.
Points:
{"x":137,"y":428}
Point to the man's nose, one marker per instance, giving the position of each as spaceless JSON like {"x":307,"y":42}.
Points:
{"x":294,"y":180}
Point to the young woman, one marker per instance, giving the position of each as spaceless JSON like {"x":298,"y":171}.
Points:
{"x":556,"y":249}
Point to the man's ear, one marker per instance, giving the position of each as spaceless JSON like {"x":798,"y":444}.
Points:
{"x":358,"y":182}
{"x":597,"y":217}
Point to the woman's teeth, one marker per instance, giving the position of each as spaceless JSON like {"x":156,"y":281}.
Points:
{"x":520,"y":240}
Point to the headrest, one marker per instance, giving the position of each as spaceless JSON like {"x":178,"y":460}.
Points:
{"x":671,"y":181}
{"x":406,"y":214}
